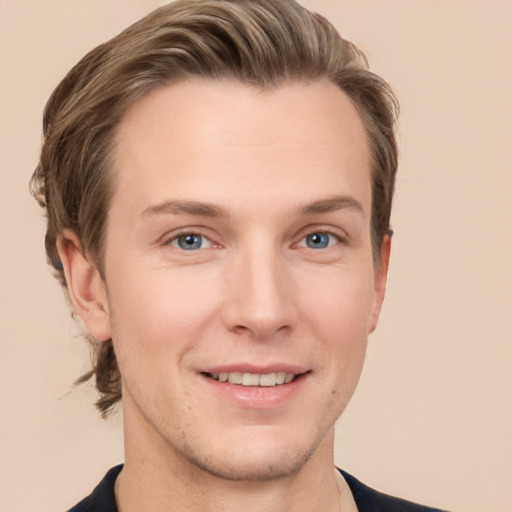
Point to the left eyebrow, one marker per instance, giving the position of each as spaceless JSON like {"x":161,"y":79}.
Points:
{"x":331,"y":204}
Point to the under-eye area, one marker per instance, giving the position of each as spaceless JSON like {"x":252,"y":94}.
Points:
{"x":255,"y":379}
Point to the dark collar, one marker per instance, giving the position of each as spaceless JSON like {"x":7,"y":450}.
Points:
{"x":103,"y":499}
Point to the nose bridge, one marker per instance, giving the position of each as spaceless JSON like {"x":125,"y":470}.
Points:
{"x":260,"y":295}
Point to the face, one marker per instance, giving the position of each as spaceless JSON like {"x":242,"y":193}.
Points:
{"x":239,"y":274}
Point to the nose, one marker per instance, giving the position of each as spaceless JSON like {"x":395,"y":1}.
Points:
{"x":259,"y":299}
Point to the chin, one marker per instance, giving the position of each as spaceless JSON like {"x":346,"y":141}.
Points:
{"x":243,"y":468}
{"x":259,"y":459}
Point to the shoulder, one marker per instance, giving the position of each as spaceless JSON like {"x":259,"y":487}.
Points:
{"x":102,"y":499}
{"x":370,"y":500}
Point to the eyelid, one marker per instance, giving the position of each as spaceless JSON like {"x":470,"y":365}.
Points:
{"x":174,"y":242}
{"x":172,"y":236}
{"x":340,"y":234}
{"x":168,"y":238}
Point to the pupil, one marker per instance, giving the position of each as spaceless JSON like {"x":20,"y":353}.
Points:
{"x":318,"y":240}
{"x":188,"y":242}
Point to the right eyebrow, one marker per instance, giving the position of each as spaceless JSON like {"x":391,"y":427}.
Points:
{"x":185,"y":208}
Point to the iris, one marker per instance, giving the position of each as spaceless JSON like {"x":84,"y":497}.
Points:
{"x":318,"y":240}
{"x":190,"y":242}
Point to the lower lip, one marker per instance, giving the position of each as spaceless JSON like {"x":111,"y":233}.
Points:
{"x":257,"y":397}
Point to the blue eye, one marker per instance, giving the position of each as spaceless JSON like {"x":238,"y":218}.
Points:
{"x":320,"y":240}
{"x":190,"y":242}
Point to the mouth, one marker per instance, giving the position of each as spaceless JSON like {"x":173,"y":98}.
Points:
{"x":251,"y":387}
{"x":255,"y":379}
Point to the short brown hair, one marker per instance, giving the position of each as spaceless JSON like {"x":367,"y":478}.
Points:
{"x":262,"y":43}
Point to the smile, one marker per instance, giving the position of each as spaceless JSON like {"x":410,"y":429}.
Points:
{"x":254,"y":379}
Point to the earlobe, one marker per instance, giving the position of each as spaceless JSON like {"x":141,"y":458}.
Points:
{"x":85,"y":286}
{"x":381,"y":274}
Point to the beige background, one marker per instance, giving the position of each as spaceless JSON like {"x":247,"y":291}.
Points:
{"x":431,"y":420}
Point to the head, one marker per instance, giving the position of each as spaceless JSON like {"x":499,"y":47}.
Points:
{"x":263,"y":44}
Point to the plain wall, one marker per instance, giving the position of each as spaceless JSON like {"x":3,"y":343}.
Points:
{"x":431,"y":420}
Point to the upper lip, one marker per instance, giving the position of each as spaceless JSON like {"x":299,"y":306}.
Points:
{"x":256,"y":369}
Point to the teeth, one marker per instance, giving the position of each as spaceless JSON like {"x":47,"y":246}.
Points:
{"x":269,"y":379}
{"x":250,"y":379}
{"x":235,"y":377}
{"x":280,"y":376}
{"x":288,"y":378}
{"x":254,"y":379}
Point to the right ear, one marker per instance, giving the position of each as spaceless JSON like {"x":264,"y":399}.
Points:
{"x":86,"y":287}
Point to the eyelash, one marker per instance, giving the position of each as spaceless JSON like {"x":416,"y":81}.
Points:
{"x":325,"y":232}
{"x":175,"y":240}
{"x":331,"y":233}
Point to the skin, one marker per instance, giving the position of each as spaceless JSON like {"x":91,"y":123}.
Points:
{"x":251,"y":174}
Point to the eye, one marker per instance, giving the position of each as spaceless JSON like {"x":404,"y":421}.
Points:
{"x":319,"y":240}
{"x":190,"y":242}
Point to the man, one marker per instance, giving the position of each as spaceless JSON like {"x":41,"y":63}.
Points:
{"x":218,"y":182}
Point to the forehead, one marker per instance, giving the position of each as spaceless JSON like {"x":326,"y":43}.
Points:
{"x":224,"y":139}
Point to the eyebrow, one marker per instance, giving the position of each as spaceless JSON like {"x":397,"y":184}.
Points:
{"x":326,"y":205}
{"x":331,"y":204}
{"x":185,"y":208}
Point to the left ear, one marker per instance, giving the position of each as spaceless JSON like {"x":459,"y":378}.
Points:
{"x":379,"y":286}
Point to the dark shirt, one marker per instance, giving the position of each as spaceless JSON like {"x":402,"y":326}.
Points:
{"x":103,"y":499}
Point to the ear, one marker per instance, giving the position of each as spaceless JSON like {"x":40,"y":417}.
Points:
{"x":85,"y":286}
{"x":381,"y":275}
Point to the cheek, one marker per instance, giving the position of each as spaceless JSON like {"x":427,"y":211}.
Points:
{"x":340,"y":303}
{"x":161,"y":311}
{"x":340,"y":315}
